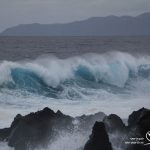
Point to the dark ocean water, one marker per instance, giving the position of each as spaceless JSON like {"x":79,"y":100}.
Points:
{"x":18,"y":48}
{"x":77,"y":75}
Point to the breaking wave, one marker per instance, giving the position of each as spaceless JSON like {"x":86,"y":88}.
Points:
{"x":52,"y":76}
{"x":113,"y":82}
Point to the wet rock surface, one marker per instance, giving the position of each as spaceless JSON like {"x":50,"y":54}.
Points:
{"x":99,"y":139}
{"x":107,"y":132}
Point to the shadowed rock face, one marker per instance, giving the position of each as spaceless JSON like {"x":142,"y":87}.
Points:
{"x":116,"y":130}
{"x":114,"y":123}
{"x":144,"y":123}
{"x":139,"y":125}
{"x":5,"y":133}
{"x":38,"y":129}
{"x":35,"y":129}
{"x":140,"y":120}
{"x":99,"y":138}
{"x":86,"y":122}
{"x":135,"y":117}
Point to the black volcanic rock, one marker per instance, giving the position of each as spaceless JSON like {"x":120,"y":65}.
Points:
{"x":138,"y":127}
{"x":119,"y":134}
{"x":114,"y":123}
{"x":141,"y":121}
{"x":135,"y":117}
{"x":116,"y":130}
{"x":86,"y":122}
{"x":99,"y":139}
{"x":144,"y":123}
{"x":40,"y":128}
{"x":96,"y":26}
{"x":4,"y":134}
{"x":35,"y":129}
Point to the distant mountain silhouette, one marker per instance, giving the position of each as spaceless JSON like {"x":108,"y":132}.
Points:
{"x":96,"y":26}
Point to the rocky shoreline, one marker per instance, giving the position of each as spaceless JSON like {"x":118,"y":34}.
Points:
{"x":108,"y":132}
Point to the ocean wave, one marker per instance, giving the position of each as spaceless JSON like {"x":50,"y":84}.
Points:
{"x":51,"y":76}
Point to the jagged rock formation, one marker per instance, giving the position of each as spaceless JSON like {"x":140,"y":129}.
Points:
{"x":38,"y":129}
{"x":99,"y":139}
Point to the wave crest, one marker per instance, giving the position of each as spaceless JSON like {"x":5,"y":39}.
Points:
{"x":50,"y":76}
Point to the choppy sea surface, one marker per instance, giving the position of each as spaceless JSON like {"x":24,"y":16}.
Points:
{"x":77,"y":75}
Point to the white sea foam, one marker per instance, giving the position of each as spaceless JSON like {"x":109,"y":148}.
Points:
{"x":112,"y":68}
{"x":3,"y":146}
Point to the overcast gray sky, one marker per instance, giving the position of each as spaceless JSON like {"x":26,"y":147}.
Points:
{"x":14,"y":12}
